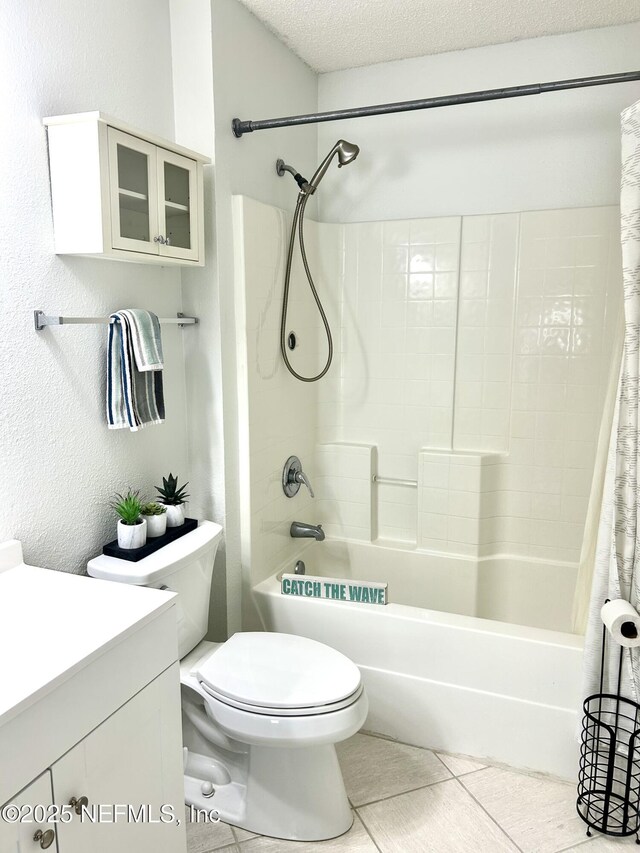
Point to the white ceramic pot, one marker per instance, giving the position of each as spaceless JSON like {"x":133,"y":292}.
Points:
{"x":132,"y":535}
{"x":156,"y":525}
{"x":175,"y":515}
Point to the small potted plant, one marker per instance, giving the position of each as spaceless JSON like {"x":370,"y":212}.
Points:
{"x":173,"y":497}
{"x":155,"y":515}
{"x":132,"y":527}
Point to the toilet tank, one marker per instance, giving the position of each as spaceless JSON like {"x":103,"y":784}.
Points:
{"x":184,"y":566}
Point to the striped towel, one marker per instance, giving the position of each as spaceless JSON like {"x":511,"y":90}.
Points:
{"x":134,"y":370}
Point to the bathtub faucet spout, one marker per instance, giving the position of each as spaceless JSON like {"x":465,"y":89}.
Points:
{"x":302,"y":530}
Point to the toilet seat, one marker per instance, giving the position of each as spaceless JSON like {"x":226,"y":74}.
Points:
{"x":279,"y":675}
{"x":284,"y":712}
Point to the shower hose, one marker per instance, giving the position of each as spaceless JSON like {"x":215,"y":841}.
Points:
{"x":298,"y":223}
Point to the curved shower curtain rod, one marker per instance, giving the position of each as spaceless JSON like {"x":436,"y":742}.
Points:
{"x":241,"y":127}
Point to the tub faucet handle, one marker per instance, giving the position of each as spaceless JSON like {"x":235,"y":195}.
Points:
{"x":293,"y":477}
{"x":301,"y":477}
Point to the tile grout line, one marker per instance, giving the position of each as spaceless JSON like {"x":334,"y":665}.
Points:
{"x":434,"y":751}
{"x":470,"y":772}
{"x":235,"y":835}
{"x":456,"y":359}
{"x":489,"y":815}
{"x":458,"y":775}
{"x":228,"y":847}
{"x":402,"y":793}
{"x":443,"y":764}
{"x":366,"y":829}
{"x":579,"y":844}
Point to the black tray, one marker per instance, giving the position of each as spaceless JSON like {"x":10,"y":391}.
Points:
{"x":111,"y":549}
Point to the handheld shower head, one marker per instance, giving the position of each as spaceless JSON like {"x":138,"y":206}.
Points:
{"x":346,"y":151}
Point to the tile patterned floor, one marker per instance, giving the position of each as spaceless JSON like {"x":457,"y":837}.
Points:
{"x":411,"y":800}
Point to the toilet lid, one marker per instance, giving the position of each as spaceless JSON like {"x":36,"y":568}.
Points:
{"x":268,"y":670}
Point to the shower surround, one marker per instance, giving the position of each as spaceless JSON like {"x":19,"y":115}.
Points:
{"x":471,"y":362}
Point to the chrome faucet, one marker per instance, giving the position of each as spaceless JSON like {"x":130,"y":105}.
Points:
{"x":293,"y":477}
{"x":302,"y":530}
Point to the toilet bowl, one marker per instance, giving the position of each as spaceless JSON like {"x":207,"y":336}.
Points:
{"x":261,"y":713}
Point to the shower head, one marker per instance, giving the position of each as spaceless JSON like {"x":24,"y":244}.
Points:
{"x":346,"y":151}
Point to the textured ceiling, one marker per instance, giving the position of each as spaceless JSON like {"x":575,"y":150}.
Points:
{"x":333,"y":34}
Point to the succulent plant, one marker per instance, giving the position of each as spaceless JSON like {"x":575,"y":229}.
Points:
{"x":170,"y":493}
{"x":128,"y":506}
{"x":153,"y":509}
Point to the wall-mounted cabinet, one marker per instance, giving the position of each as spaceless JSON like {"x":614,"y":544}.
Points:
{"x":122,"y":194}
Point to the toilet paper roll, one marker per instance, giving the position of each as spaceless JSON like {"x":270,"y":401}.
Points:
{"x":623,"y":622}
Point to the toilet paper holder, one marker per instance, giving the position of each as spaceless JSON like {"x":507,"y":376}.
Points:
{"x":609,"y":769}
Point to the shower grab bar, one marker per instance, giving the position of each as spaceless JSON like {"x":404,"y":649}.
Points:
{"x":394,"y":481}
{"x":241,"y":127}
{"x":42,"y":320}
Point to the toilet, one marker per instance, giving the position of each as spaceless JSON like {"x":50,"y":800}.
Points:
{"x":261,"y":713}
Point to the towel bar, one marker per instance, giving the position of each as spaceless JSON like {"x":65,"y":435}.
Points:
{"x":41,"y":320}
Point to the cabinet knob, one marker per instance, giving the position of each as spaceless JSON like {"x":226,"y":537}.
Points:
{"x":167,"y":241}
{"x":78,"y":804}
{"x":45,"y":838}
{"x":158,"y":239}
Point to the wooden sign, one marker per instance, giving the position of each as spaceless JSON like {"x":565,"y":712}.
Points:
{"x":334,"y":589}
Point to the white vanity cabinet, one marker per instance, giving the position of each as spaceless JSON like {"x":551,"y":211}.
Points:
{"x":89,"y":712}
{"x":120,"y":193}
{"x":33,"y":832}
{"x":122,"y":765}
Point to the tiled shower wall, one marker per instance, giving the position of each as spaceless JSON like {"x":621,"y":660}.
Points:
{"x":490,"y":334}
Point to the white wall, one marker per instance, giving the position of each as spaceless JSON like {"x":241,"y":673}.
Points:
{"x":194,"y":126}
{"x":254,"y":74}
{"x":549,"y":151}
{"x":60,"y":463}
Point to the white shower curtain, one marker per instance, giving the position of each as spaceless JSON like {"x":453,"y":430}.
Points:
{"x":616,"y":571}
{"x":584,"y":583}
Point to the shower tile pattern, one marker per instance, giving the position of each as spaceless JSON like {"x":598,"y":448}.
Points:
{"x":343,"y":489}
{"x":568,"y":308}
{"x":481,"y":338}
{"x":452,"y":500}
{"x":485,"y":332}
{"x":399,"y":293}
{"x":503,"y":349}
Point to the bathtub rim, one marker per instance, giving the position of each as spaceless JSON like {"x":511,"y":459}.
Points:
{"x":472,"y":624}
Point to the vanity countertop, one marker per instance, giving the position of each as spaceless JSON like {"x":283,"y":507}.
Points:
{"x":53,"y":624}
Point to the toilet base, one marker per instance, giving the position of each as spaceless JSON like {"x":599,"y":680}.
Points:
{"x":294,"y":794}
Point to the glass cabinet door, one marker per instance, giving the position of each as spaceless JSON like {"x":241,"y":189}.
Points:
{"x":134,"y":193}
{"x":178,"y":214}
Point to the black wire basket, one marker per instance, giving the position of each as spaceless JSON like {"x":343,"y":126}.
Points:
{"x":609,"y":773}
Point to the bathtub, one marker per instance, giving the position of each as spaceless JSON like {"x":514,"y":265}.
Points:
{"x":469,"y":656}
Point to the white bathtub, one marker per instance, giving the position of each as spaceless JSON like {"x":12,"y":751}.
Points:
{"x":470,"y":656}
